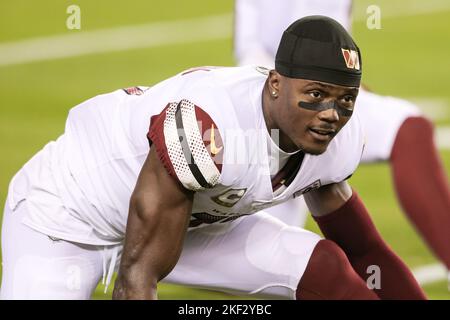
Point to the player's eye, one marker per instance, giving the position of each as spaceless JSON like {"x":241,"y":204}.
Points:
{"x":348,"y":99}
{"x":347,"y":102}
{"x":315,"y":94}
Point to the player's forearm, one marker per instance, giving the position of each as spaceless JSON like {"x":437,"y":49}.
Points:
{"x":143,"y":258}
{"x":129,"y":287}
{"x":135,"y":279}
{"x":157,"y":223}
{"x":152,"y":246}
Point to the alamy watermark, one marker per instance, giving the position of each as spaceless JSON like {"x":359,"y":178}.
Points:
{"x":73,"y":21}
{"x":373,"y":17}
{"x":374,"y":280}
{"x":73,"y":281}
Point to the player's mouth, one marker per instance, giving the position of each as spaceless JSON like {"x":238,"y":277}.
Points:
{"x":322,"y":134}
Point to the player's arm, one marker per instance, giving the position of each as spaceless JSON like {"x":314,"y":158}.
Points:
{"x":158,"y":218}
{"x":343,"y":218}
{"x":328,"y":198}
{"x":186,"y":157}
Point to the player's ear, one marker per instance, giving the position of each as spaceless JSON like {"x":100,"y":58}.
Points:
{"x":274,"y":82}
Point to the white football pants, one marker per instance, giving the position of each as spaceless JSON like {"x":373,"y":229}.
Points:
{"x":255,"y":255}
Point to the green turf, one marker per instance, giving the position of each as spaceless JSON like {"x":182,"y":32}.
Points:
{"x":437,"y":290}
{"x":21,"y":19}
{"x":408,"y":57}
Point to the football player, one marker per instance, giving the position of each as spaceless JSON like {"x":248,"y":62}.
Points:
{"x":406,"y":140}
{"x":179,"y":200}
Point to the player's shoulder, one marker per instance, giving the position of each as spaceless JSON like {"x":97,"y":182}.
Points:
{"x":190,"y":134}
{"x":189,"y":144}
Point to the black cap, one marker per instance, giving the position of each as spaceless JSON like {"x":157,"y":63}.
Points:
{"x":319,"y":48}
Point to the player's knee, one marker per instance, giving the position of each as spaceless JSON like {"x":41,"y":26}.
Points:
{"x":329,"y":254}
{"x":328,"y":274}
{"x":417,"y":131}
{"x":414,"y":128}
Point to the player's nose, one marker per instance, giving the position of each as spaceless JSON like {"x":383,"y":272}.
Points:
{"x":328,"y":115}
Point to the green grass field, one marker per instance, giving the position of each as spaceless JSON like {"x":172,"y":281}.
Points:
{"x":408,"y":57}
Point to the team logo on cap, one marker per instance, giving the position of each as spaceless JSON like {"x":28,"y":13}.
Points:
{"x":351,"y":58}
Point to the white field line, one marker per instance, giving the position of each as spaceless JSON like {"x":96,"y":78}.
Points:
{"x":443,"y":137}
{"x":116,"y":39}
{"x":157,"y":34}
{"x":430,"y":273}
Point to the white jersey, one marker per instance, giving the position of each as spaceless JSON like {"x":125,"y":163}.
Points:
{"x":259,"y":24}
{"x":208,"y":128}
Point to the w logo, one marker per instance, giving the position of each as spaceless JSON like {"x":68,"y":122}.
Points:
{"x":351,"y":58}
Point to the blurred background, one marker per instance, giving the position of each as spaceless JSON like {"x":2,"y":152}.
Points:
{"x":47,"y":68}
